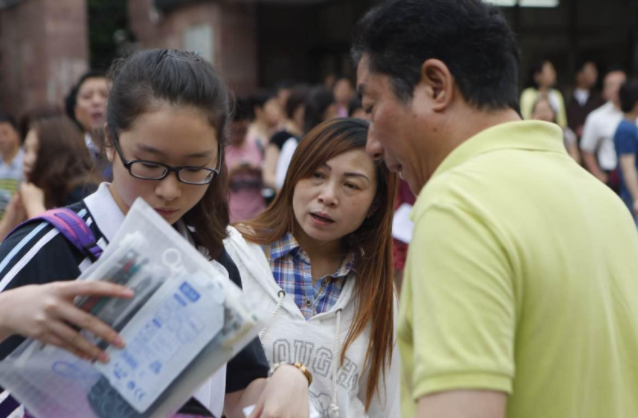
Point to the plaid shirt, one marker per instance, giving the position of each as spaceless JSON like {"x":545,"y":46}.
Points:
{"x":290,"y":266}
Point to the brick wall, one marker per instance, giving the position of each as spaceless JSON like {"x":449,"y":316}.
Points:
{"x":43,"y":50}
{"x":232,"y":29}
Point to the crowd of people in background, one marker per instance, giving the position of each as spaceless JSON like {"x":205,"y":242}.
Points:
{"x":52,"y":155}
{"x":591,"y":121}
{"x":511,"y":254}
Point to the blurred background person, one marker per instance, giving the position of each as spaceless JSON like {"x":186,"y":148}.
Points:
{"x":284,"y":88}
{"x":11,"y":160}
{"x":58,"y":171}
{"x":626,"y":143}
{"x":541,"y":85}
{"x":243,"y":160}
{"x":544,"y":111}
{"x":405,"y":196}
{"x":329,"y":80}
{"x":292,"y":129}
{"x":320,"y":107}
{"x":597,"y":144}
{"x":344,"y":92}
{"x":266,"y":118}
{"x":584,"y":99}
{"x":87,"y":106}
{"x":355,"y":109}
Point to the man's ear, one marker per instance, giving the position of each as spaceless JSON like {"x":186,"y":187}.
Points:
{"x":108,"y":144}
{"x":437,"y":83}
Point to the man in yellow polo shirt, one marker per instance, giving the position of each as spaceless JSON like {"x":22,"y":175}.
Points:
{"x":520,"y":297}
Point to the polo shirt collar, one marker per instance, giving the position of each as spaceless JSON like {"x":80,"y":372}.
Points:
{"x":521,"y":135}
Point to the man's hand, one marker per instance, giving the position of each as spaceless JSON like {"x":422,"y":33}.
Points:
{"x":32,"y":199}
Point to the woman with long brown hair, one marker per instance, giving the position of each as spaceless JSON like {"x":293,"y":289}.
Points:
{"x":58,"y":170}
{"x":327,"y":239}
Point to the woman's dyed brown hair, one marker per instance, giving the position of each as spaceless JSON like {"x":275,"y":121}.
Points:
{"x":63,"y":161}
{"x":371,"y":243}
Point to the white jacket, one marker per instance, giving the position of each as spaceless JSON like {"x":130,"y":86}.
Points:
{"x":336,"y":391}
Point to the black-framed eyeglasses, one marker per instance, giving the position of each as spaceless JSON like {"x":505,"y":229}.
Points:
{"x":151,"y":170}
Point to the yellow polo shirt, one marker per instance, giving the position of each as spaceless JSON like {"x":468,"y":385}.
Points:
{"x":522,"y":277}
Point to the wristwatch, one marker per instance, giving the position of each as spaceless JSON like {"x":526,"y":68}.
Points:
{"x":298,"y":365}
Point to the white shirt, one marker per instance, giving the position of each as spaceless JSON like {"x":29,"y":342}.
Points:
{"x":581,"y":96}
{"x":93,"y":149}
{"x":598,"y":135}
{"x":285,"y":157}
{"x":11,"y":174}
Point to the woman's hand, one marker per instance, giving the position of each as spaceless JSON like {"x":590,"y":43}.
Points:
{"x":285,"y":396}
{"x":14,"y":215}
{"x":32,"y":199}
{"x":15,"y":209}
{"x":47,"y":313}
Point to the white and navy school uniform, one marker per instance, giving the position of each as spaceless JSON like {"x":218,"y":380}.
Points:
{"x":37,"y":254}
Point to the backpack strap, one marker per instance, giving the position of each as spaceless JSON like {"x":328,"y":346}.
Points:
{"x":8,"y":406}
{"x":74,"y":229}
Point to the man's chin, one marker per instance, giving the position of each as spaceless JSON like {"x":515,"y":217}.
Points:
{"x":415,"y":186}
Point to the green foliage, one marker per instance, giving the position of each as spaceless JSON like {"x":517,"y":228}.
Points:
{"x":105,"y":17}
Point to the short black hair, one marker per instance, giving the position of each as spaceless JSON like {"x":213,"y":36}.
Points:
{"x":537,"y":68}
{"x":285,"y":85}
{"x":615,"y":68}
{"x":72,"y":98}
{"x":297,"y":98}
{"x":90,"y":74}
{"x":354,"y":105}
{"x":260,"y":98}
{"x":241,"y":110}
{"x":7,"y":118}
{"x":628,"y":95}
{"x":318,"y":101}
{"x":471,"y":37}
{"x":580,"y":65}
{"x":340,"y":77}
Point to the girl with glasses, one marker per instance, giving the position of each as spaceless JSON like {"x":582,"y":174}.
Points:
{"x":166,"y":119}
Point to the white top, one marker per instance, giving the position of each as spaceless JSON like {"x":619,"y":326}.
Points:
{"x":285,"y":157}
{"x":11,"y":175}
{"x":598,"y":135}
{"x":93,"y":149}
{"x":317,"y":342}
{"x":581,"y":96}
